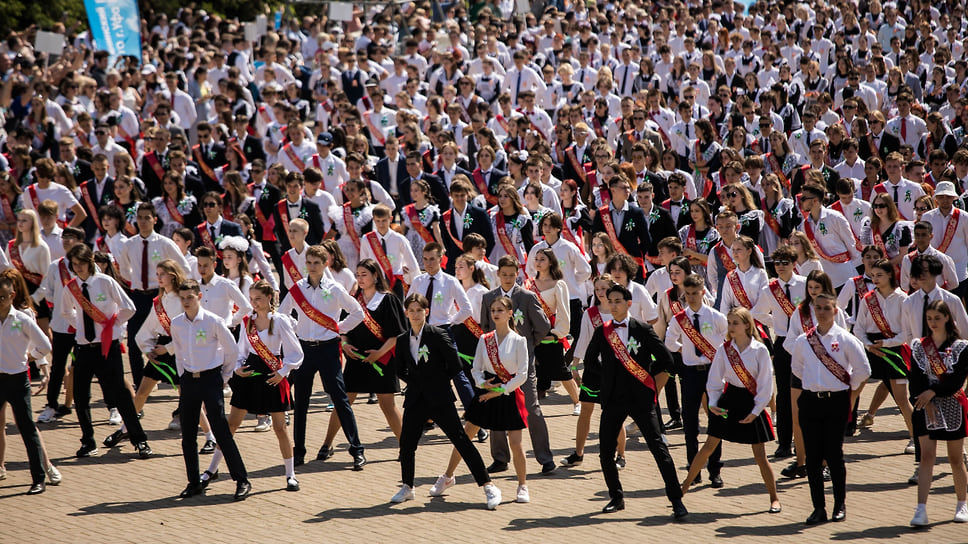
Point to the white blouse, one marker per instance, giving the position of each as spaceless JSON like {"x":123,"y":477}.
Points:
{"x":152,"y":329}
{"x":513,"y":354}
{"x":755,"y":282}
{"x":282,"y":340}
{"x":756,"y":359}
{"x":36,"y":258}
{"x":476,"y":295}
{"x":557,"y":300}
{"x":891,"y":307}
{"x":586,"y":331}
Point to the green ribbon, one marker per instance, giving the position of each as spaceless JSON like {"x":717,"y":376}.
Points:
{"x":498,"y":390}
{"x":591,"y":392}
{"x":891,"y":357}
{"x":362,"y":357}
{"x":168,"y":374}
{"x":469,"y":359}
{"x":377,"y":368}
{"x":549,"y":341}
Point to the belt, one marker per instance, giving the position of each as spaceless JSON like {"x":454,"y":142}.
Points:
{"x":699,"y":368}
{"x":145,"y":291}
{"x":313,"y":343}
{"x":824,"y":394}
{"x":197,"y":375}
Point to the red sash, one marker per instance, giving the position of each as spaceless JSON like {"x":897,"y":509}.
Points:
{"x":92,"y":311}
{"x":382,"y":259}
{"x":130,"y":140}
{"x":206,"y":169}
{"x":595,"y":316}
{"x":549,"y":312}
{"x":265,"y":115}
{"x":772,"y":222}
{"x":296,"y":161}
{"x":877,"y":313}
{"x":860,"y":286}
{"x":311,"y":312}
{"x":414,"y":216}
{"x":502,"y":121}
{"x":13,"y":251}
{"x":172,"y":210}
{"x":375,"y":329}
{"x":291,"y":269}
{"x":949,"y":230}
{"x":268,"y":224}
{"x":597,"y":127}
{"x":622,"y":354}
{"x":502,"y":235}
{"x":573,"y":237}
{"x":262,"y":350}
{"x":694,"y":335}
{"x":777,"y":169}
{"x":490,"y":343}
{"x":155,"y":164}
{"x":283,"y":208}
{"x":875,"y":152}
{"x":65,"y":274}
{"x":808,"y":230}
{"x":691,"y":238}
{"x":674,"y":305}
{"x":723,"y":255}
{"x":482,"y":187}
{"x":665,"y":137}
{"x":820,"y":351}
{"x":350,"y":226}
{"x":207,"y":237}
{"x":374,"y":130}
{"x":934,"y":358}
{"x":785,"y":304}
{"x":459,"y":243}
{"x":7,"y":208}
{"x":606,"y":216}
{"x":162,"y":315}
{"x":806,"y":318}
{"x":736,"y":362}
{"x":839,"y":207}
{"x":578,"y":166}
{"x":474,"y":327}
{"x":32,"y":193}
{"x":88,"y":202}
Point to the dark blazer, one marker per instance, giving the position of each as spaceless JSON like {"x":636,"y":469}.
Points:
{"x":82,"y":170}
{"x":148,"y":175}
{"x":569,"y":171}
{"x":889,"y":143}
{"x":383,"y":173}
{"x":627,"y":141}
{"x":252,"y":148}
{"x":479,"y":222}
{"x":800,"y":174}
{"x":457,"y":170}
{"x":618,"y":383}
{"x":193,"y":181}
{"x":228,"y":228}
{"x":494,"y":175}
{"x":309,"y":211}
{"x":107,"y":194}
{"x":428,"y":381}
{"x":684,"y":219}
{"x":534,"y":326}
{"x":660,"y":228}
{"x":437,"y":189}
{"x":215,"y":159}
{"x":635,"y":239}
{"x":268,"y":198}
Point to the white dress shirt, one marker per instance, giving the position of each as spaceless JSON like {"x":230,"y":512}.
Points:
{"x":891,"y":307}
{"x":853,"y":171}
{"x":107,"y":296}
{"x":52,"y":289}
{"x":19,"y":337}
{"x":643,"y":307}
{"x":574,"y":266}
{"x":796,"y":327}
{"x":958,"y":249}
{"x":398,"y":252}
{"x":449,"y":304}
{"x":203,"y":343}
{"x":756,"y":358}
{"x":844,"y":348}
{"x":512,"y":352}
{"x":159,"y":249}
{"x":415,"y":344}
{"x":55,"y":191}
{"x":221,"y":295}
{"x":834,"y":236}
{"x":282,"y":343}
{"x":53,"y":241}
{"x":712,"y":325}
{"x":586,"y":331}
{"x":299,"y":260}
{"x":907,"y":193}
{"x":754,"y":281}
{"x":147,"y":336}
{"x":328,"y":297}
{"x":768,"y":310}
{"x":949,"y":275}
{"x":913,"y":309}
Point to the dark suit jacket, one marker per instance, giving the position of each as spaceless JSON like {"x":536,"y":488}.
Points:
{"x":634,"y":236}
{"x":457,"y":170}
{"x":253,"y":149}
{"x":148,"y":175}
{"x":684,"y":218}
{"x":889,"y":143}
{"x":660,"y":228}
{"x":479,"y":222}
{"x":799,"y":178}
{"x":309,"y":211}
{"x":494,"y":175}
{"x":268,"y":198}
{"x":534,"y":325}
{"x":81,"y":170}
{"x":569,"y":171}
{"x":383,"y":172}
{"x":90,"y":228}
{"x":437,"y":189}
{"x":619,"y":384}
{"x":627,"y":141}
{"x":214,"y":159}
{"x":228,"y":228}
{"x":428,"y":381}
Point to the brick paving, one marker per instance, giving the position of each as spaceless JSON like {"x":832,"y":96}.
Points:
{"x":117,"y":497}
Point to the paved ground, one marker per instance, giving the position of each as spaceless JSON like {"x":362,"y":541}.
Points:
{"x":116,"y":496}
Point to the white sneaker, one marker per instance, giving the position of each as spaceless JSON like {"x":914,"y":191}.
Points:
{"x":909,"y":449}
{"x":577,"y":410}
{"x":405,"y":494}
{"x":523,"y":495}
{"x":441,"y":485}
{"x":264,"y":424}
{"x":47,"y":415}
{"x":493,"y":495}
{"x":174,"y":424}
{"x":920,"y":518}
{"x":115,"y":417}
{"x":54,"y":475}
{"x":961,"y":516}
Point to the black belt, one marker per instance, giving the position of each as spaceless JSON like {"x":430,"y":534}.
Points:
{"x":197,"y":375}
{"x":824,"y":394}
{"x":699,"y":368}
{"x":145,"y":291}
{"x":314,"y":343}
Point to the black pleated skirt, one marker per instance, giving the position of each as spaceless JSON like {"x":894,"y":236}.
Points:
{"x":254,"y":395}
{"x":738,"y":402}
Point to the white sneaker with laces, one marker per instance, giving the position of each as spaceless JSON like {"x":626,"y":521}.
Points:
{"x":441,"y":485}
{"x":577,"y":410}
{"x":920,"y":518}
{"x":493,"y":495}
{"x":47,"y":415}
{"x":54,"y":475}
{"x":174,"y":424}
{"x":405,"y":494}
{"x":264,"y":424}
{"x":961,"y":515}
{"x":909,"y":449}
{"x":115,"y":417}
{"x":523,"y":496}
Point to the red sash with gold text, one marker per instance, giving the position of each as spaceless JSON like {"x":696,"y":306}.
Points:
{"x":92,"y":311}
{"x":311,"y":312}
{"x":382,"y":259}
{"x":785,"y":304}
{"x":262,"y":350}
{"x":375,"y":329}
{"x":622,"y":354}
{"x":694,"y":335}
{"x":350,"y":226}
{"x":736,"y":362}
{"x":949,"y":230}
{"x":839,"y":372}
{"x":162,"y":315}
{"x":291,"y":269}
{"x":13,"y":251}
{"x":490,"y":343}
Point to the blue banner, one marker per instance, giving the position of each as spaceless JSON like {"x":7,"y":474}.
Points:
{"x":115,"y":27}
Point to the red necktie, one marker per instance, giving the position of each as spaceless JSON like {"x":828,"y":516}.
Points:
{"x":903,"y":129}
{"x":144,"y":265}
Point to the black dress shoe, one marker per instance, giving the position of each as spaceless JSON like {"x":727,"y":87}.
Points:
{"x":818,"y":516}
{"x":325,"y":453}
{"x":482,"y":435}
{"x":614,"y":505}
{"x":359,"y":461}
{"x":497,"y":466}
{"x":548,"y":468}
{"x":292,"y":484}
{"x":86,"y":450}
{"x":298,"y":460}
{"x":840,"y":513}
{"x":144,"y":450}
{"x":62,"y":411}
{"x":782,"y":453}
{"x":673,"y":424}
{"x":115,"y":438}
{"x":191,"y":490}
{"x":716,"y":482}
{"x":208,"y":447}
{"x":37,"y":488}
{"x":203,"y":483}
{"x":794,"y":471}
{"x":242,"y":490}
{"x":679,"y":511}
{"x":573,"y":460}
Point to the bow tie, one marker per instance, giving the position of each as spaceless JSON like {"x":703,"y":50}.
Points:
{"x":291,"y":205}
{"x":620,"y":325}
{"x":680,"y":203}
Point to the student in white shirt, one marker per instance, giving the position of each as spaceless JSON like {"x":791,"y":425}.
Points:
{"x":220,"y":295}
{"x":389,"y":248}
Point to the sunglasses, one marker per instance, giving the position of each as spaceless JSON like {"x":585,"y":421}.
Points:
{"x":782,"y":263}
{"x":920,"y":209}
{"x":210,"y":205}
{"x":100,"y":132}
{"x":879,"y":206}
{"x":732,"y":195}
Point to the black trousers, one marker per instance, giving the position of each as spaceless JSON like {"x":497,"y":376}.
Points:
{"x":110,"y":373}
{"x":322,"y":359}
{"x":206,"y":388}
{"x":144,"y":304}
{"x":15,"y":390}
{"x":62,"y":345}
{"x":642,"y":411}
{"x":784,"y":405}
{"x":445,"y":416}
{"x":823,"y":420}
{"x":693,"y":388}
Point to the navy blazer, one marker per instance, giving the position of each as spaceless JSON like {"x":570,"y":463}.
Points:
{"x":617,"y":382}
{"x":309,"y":211}
{"x":437,"y":189}
{"x":632,"y":233}
{"x":228,"y":228}
{"x":475,"y":220}
{"x":428,"y":380}
{"x":383,"y":173}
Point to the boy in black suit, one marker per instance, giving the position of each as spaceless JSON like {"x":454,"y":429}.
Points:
{"x":658,"y":219}
{"x":210,"y":155}
{"x":462,"y":219}
{"x":625,"y":224}
{"x":427,"y":361}
{"x":634,"y":363}
{"x":293,"y":206}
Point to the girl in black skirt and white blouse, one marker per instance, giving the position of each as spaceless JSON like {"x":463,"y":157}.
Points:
{"x":737,"y":411}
